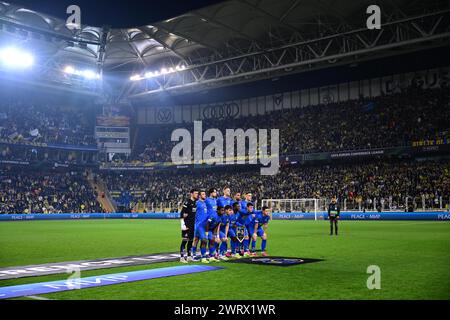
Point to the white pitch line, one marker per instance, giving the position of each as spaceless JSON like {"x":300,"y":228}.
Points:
{"x":38,"y":298}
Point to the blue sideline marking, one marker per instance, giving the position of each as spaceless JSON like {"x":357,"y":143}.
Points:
{"x":98,"y":281}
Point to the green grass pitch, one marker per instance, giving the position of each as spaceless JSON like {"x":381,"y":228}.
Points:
{"x":414,"y":257}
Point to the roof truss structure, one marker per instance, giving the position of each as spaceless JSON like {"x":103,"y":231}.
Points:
{"x":229,"y":43}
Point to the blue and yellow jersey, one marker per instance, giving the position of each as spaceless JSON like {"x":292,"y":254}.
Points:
{"x":201,"y":215}
{"x":211,"y":205}
{"x":214,"y":219}
{"x":223,"y":201}
{"x":260,"y":219}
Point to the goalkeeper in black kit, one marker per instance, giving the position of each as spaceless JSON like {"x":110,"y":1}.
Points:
{"x":187,"y":220}
{"x":334,"y":212}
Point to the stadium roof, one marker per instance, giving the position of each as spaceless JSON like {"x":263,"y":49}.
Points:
{"x":217,"y":33}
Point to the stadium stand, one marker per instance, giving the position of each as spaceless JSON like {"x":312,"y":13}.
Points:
{"x":358,"y":185}
{"x":29,"y":122}
{"x":386,"y":121}
{"x":25,"y":191}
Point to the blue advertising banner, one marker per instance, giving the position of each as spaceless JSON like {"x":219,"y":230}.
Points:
{"x":432,"y":216}
{"x":98,"y":281}
{"x":350,"y":215}
{"x":87,"y":216}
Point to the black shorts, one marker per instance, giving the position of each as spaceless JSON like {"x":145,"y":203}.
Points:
{"x":188,"y":234}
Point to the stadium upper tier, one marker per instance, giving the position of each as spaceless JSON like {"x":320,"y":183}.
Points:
{"x":23,"y":120}
{"x":387,"y":121}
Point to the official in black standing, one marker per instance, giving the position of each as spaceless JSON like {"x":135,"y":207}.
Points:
{"x":187,"y":219}
{"x":334,"y":212}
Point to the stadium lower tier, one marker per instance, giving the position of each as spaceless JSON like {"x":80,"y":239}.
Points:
{"x":397,"y":185}
{"x":23,"y":191}
{"x":378,"y":186}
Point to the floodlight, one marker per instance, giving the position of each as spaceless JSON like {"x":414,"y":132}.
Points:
{"x":69,"y":70}
{"x":135,"y":78}
{"x":16,"y":58}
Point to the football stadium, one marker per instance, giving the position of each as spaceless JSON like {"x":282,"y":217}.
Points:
{"x":230,"y":150}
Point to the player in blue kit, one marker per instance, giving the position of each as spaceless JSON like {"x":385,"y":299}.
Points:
{"x":245,"y":218}
{"x":201,"y":218}
{"x":211,"y":208}
{"x":237,"y":198}
{"x":211,"y":201}
{"x":258,"y":227}
{"x":213,"y":232}
{"x":232,"y":230}
{"x":247,"y":198}
{"x":224,"y":229}
{"x":226,"y":199}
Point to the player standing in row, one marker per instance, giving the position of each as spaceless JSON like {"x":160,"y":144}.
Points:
{"x":237,"y":198}
{"x":187,"y":219}
{"x":224,"y":201}
{"x":244,"y":219}
{"x":201,"y":219}
{"x":206,"y":207}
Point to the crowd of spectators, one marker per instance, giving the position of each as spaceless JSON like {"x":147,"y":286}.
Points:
{"x":46,"y":192}
{"x":386,"y":121}
{"x":23,"y":153}
{"x":358,"y":184}
{"x":35,"y":122}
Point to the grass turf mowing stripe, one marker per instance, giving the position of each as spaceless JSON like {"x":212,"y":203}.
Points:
{"x":98,"y":281}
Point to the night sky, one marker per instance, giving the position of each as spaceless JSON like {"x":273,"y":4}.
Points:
{"x":117,"y":13}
